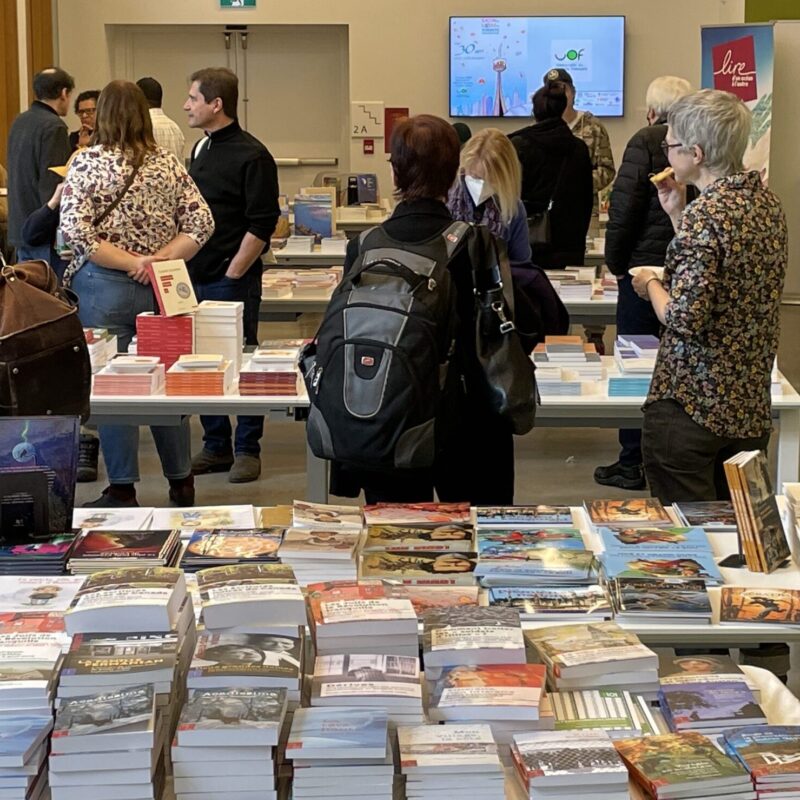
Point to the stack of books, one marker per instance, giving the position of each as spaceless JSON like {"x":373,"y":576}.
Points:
{"x":361,"y":618}
{"x":28,"y":673}
{"x":218,"y":329}
{"x":315,"y":283}
{"x":326,"y":517}
{"x":334,"y":245}
{"x":298,"y":244}
{"x":557,"y":603}
{"x":130,"y":375}
{"x":683,"y":765}
{"x":392,"y":683}
{"x":23,"y":756}
{"x":470,"y":635}
{"x":597,"y":654}
{"x":607,"y":288}
{"x":320,"y":555}
{"x":419,"y":538}
{"x":424,"y":514}
{"x":439,"y":761}
{"x":102,"y":347}
{"x":131,"y":600}
{"x":222,"y":547}
{"x":564,"y":362}
{"x":632,"y":513}
{"x":200,"y":376}
{"x":97,"y":550}
{"x":618,"y":712}
{"x":271,"y":371}
{"x":168,"y":338}
{"x":769,"y":754}
{"x":758,"y":519}
{"x":578,"y":763}
{"x":663,"y":600}
{"x":712,"y":515}
{"x":226,"y":744}
{"x":635,"y":359}
{"x":414,"y":567}
{"x":38,"y":594}
{"x":424,"y":598}
{"x":47,"y":556}
{"x":249,"y":596}
{"x":107,"y":746}
{"x":340,"y":752}
{"x":509,"y":697}
{"x":523,"y":564}
{"x":769,"y":606}
{"x":275,"y":285}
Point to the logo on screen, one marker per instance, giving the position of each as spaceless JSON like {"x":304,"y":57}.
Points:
{"x":573,"y":55}
{"x":735,"y":67}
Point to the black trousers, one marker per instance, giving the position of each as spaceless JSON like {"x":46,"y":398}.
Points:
{"x":683,"y":461}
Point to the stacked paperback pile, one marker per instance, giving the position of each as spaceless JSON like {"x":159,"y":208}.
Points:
{"x":275,"y":285}
{"x":758,"y":519}
{"x":573,"y":284}
{"x":218,"y":329}
{"x":97,"y":550}
{"x":770,"y":754}
{"x":112,"y":519}
{"x":361,"y":618}
{"x":201,"y":375}
{"x":570,"y":764}
{"x":340,"y":752}
{"x":684,"y":765}
{"x":168,"y":338}
{"x":392,"y":683}
{"x":320,"y":555}
{"x":635,"y":358}
{"x":23,"y":756}
{"x":314,"y":283}
{"x":271,"y":369}
{"x":28,"y":673}
{"x":226,"y":744}
{"x":607,"y":288}
{"x":470,"y":635}
{"x":439,"y":761}
{"x":597,"y":654}
{"x":130,"y":375}
{"x":563,"y":362}
{"x":221,"y":547}
{"x":297,"y":245}
{"x":29,"y":595}
{"x":618,"y":712}
{"x":102,"y":347}
{"x":46,"y":557}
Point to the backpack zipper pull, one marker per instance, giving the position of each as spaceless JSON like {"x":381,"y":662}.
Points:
{"x":431,"y":284}
{"x":317,"y":377}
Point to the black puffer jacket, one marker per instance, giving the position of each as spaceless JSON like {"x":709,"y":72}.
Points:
{"x":542,"y":148}
{"x":638,"y":230}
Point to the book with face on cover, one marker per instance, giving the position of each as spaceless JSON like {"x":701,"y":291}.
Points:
{"x":326,"y":516}
{"x":418,"y":514}
{"x":300,"y":544}
{"x":367,"y":680}
{"x":433,"y":538}
{"x":539,"y":516}
{"x":172,"y":287}
{"x":742,"y":604}
{"x":422,"y":568}
{"x":665,"y":564}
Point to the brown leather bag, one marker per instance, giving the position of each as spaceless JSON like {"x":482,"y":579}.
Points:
{"x":44,"y":360}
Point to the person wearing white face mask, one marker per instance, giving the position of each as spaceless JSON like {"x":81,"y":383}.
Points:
{"x":488,"y":190}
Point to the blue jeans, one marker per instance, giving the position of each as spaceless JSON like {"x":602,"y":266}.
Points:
{"x":110,"y":299}
{"x":44,"y":252}
{"x":217,"y":431}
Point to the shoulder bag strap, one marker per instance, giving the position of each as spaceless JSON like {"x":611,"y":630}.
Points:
{"x":560,"y":175}
{"x":128,"y":183}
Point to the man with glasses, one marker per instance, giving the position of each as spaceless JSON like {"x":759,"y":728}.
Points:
{"x":85,"y":109}
{"x":637,"y":234}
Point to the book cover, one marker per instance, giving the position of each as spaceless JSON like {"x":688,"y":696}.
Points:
{"x":362,"y":678}
{"x":471,"y":747}
{"x":112,"y":519}
{"x":418,"y":513}
{"x":335,"y":728}
{"x":519,"y":685}
{"x":636,"y":511}
{"x":766,"y":751}
{"x":222,"y":655}
{"x":28,"y":657}
{"x":472,"y":628}
{"x":535,"y":601}
{"x":24,"y":506}
{"x":671,"y":540}
{"x":245,"y":575}
{"x":313,"y":217}
{"x":426,"y":597}
{"x":49,"y":446}
{"x":415,"y":567}
{"x":172,"y":287}
{"x":129,"y":710}
{"x":52,"y":622}
{"x":491,"y":540}
{"x":221,"y":545}
{"x":704,"y":705}
{"x":142,"y":545}
{"x":677,"y":758}
{"x":52,"y":548}
{"x":218,"y":709}
{"x":654,"y":596}
{"x":740,"y":604}
{"x":713,"y":514}
{"x":438,"y":538}
{"x":515,"y":516}
{"x":205,"y":517}
{"x":319,"y":544}
{"x":545,"y":563}
{"x":325,"y":516}
{"x":662,"y":564}
{"x":608,"y":709}
{"x":120,"y":654}
{"x":38,"y":593}
{"x":20,"y":733}
{"x":698,"y":668}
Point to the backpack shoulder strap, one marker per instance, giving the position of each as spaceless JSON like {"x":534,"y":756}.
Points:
{"x":454,"y":236}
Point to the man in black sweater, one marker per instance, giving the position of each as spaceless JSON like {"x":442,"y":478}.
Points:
{"x":238,"y":178}
{"x":638,"y":234}
{"x":38,"y":140}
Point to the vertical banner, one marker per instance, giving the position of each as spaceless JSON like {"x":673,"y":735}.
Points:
{"x":740,"y":59}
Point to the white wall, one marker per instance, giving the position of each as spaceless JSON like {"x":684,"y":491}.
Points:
{"x":398,"y":52}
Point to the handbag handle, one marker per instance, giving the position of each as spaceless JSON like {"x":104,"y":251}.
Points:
{"x":118,"y":199}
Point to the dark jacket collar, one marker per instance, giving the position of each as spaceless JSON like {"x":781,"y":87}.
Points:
{"x":228,"y":132}
{"x":38,"y":104}
{"x":427,"y":206}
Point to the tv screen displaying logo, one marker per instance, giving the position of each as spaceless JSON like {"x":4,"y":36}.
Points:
{"x":497,"y":63}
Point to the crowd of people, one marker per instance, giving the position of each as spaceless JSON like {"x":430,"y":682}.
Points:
{"x":718,"y":231}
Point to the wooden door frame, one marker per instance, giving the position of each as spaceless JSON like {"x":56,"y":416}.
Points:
{"x":9,"y":73}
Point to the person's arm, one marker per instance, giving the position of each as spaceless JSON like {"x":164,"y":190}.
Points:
{"x":627,"y":213}
{"x":55,"y":152}
{"x":194,"y":219}
{"x":41,"y":226}
{"x":262,"y":211}
{"x":586,"y":193}
{"x":603,"y":159}
{"x":519,"y":246}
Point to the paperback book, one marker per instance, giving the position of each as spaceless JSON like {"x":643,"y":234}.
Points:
{"x":630,"y":513}
{"x":770,"y":753}
{"x":611,"y":710}
{"x":204,"y":517}
{"x":367,"y":680}
{"x":424,"y":598}
{"x":413,"y":567}
{"x":439,"y":538}
{"x":698,"y":668}
{"x":666,"y":563}
{"x":553,"y":602}
{"x":445,"y":749}
{"x":37,"y":594}
{"x":221,"y":546}
{"x":538,"y":567}
{"x":418,"y":514}
{"x":740,"y":604}
{"x":495,"y":541}
{"x":97,"y":549}
{"x":336,"y":733}
{"x":46,"y":557}
{"x":709,"y":707}
{"x":666,"y":600}
{"x":325,"y":516}
{"x":539,"y":516}
{"x":712,"y":515}
{"x":112,"y":519}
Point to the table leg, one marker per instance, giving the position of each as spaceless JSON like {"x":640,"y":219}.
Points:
{"x":788,"y":447}
{"x":316,"y":478}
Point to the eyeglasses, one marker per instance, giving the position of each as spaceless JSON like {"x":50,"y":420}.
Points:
{"x":667,"y":147}
{"x":86,"y":112}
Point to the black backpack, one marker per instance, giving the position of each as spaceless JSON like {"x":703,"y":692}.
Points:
{"x":378,"y":371}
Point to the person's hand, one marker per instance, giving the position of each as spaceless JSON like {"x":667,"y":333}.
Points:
{"x":84,"y":136}
{"x":640,"y":281}
{"x":138,"y":268}
{"x":232,"y":274}
{"x":672,"y":196}
{"x":55,"y":201}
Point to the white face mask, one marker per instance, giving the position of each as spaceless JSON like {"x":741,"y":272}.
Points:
{"x":479,"y":190}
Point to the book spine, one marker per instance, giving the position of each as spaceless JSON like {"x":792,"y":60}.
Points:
{"x":156,"y":288}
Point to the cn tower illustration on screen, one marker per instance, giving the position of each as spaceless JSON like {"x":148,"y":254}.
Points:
{"x":499,"y":65}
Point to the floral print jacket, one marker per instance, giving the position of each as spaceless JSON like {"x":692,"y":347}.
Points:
{"x":724,"y":272}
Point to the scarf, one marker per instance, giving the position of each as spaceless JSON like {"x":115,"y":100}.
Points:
{"x":463,"y":209}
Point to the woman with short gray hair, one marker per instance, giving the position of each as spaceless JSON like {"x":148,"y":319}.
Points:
{"x":718,"y":302}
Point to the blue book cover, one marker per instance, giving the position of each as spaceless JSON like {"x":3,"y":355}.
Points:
{"x":661,"y":564}
{"x":767,"y":751}
{"x":313,"y":217}
{"x":539,"y":563}
{"x":19,"y":734}
{"x":637,"y":540}
{"x":494,"y":541}
{"x":702,"y":705}
{"x":336,"y":728}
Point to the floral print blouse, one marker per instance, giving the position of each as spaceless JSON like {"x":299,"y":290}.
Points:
{"x":162,"y":202}
{"x":724,"y":272}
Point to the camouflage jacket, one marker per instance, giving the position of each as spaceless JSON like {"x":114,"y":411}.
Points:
{"x":590,"y":130}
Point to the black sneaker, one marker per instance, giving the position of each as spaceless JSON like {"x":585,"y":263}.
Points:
{"x":88,"y":451}
{"x":108,"y":499}
{"x":622,"y":476}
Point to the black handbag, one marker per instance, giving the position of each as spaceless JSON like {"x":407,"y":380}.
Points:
{"x":539,"y":231}
{"x":508,"y":371}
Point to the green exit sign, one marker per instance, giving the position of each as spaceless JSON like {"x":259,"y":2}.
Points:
{"x":237,"y":3}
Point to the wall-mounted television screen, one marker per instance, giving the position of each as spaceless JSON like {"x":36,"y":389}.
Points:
{"x":497,"y":63}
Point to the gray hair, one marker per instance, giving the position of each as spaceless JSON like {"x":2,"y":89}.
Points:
{"x":718,"y":122}
{"x":664,"y":91}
